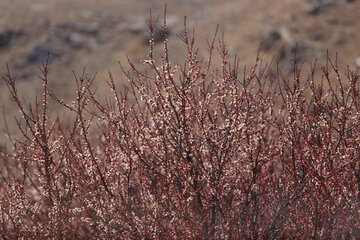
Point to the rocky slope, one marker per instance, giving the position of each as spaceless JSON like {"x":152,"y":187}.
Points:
{"x":97,"y":35}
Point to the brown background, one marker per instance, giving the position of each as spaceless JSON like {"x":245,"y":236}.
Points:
{"x":98,"y":34}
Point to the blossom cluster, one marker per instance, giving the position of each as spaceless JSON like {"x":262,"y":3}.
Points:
{"x":189,"y":151}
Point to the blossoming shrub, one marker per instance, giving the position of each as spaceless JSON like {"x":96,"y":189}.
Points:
{"x":189,"y":151}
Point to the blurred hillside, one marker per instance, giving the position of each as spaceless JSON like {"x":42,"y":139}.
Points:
{"x":98,"y":34}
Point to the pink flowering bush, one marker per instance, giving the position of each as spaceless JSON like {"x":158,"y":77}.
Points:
{"x":188,"y":151}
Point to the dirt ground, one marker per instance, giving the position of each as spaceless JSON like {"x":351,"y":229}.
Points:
{"x":97,"y":34}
